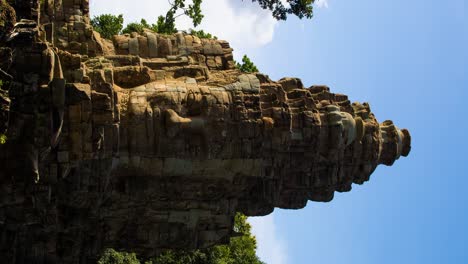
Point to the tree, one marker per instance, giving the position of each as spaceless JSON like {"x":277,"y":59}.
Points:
{"x":299,"y":8}
{"x":162,"y":26}
{"x":135,"y":27}
{"x":165,"y":25}
{"x":193,"y":11}
{"x":110,"y":256}
{"x":202,"y":34}
{"x":108,"y":25}
{"x":241,"y":250}
{"x":247,"y":65}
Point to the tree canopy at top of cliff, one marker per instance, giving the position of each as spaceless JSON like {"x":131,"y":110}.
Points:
{"x":240,"y":250}
{"x":280,"y":9}
{"x":299,"y":8}
{"x":109,"y":25}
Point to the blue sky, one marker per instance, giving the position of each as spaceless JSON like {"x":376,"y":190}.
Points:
{"x":409,"y":60}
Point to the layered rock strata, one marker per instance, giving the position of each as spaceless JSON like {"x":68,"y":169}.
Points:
{"x":154,"y":142}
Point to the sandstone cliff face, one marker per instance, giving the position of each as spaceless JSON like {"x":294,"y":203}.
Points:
{"x":151,"y":141}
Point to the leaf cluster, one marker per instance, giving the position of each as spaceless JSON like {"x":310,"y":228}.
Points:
{"x":108,"y":25}
{"x":247,"y":65}
{"x":241,"y":250}
{"x":105,"y":24}
{"x":162,"y":26}
{"x":192,"y":10}
{"x":299,"y":8}
{"x":202,"y":34}
{"x":110,"y":256}
{"x":136,"y":27}
{"x":166,"y":24}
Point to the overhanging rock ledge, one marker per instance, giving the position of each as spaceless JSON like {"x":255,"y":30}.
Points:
{"x":149,"y":142}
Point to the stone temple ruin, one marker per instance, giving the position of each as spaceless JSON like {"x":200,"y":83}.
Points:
{"x":150,"y":142}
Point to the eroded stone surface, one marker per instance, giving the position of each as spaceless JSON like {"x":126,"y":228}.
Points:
{"x":153,"y":142}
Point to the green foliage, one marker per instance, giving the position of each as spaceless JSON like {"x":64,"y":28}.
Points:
{"x":110,"y":256}
{"x":165,"y":25}
{"x":299,"y":8}
{"x":3,"y":139}
{"x":181,"y":257}
{"x":202,"y":34}
{"x":135,"y":27}
{"x":247,"y":65}
{"x":241,"y":250}
{"x":193,"y":10}
{"x":108,"y":25}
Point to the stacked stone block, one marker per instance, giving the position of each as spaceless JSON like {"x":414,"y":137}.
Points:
{"x":175,"y":50}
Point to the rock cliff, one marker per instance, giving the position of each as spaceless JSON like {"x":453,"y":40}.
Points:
{"x":150,"y":142}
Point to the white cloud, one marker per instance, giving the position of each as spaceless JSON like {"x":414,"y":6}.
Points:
{"x":322,"y":3}
{"x":270,"y":248}
{"x":285,"y":3}
{"x":243,"y":23}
